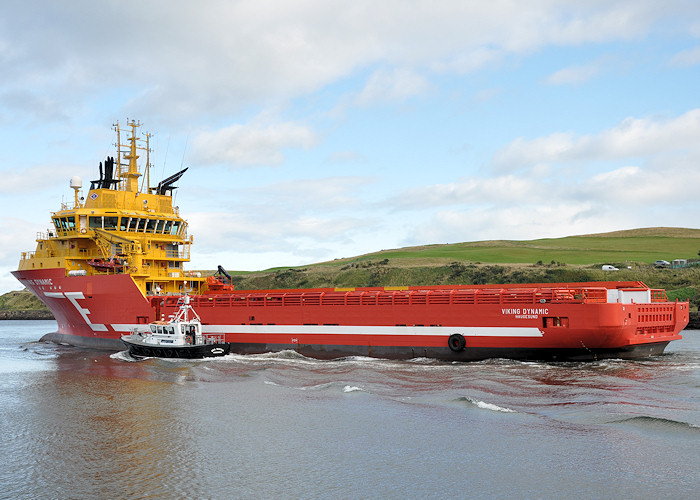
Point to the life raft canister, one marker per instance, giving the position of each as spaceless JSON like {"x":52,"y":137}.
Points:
{"x":456,"y":342}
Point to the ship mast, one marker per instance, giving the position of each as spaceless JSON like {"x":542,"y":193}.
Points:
{"x":132,"y":175}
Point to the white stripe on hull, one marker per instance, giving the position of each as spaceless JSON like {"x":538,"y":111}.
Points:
{"x":467,"y":331}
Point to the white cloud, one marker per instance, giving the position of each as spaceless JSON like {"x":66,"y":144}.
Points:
{"x":341,"y":157}
{"x":526,"y":153}
{"x":572,"y":200}
{"x":507,"y":190}
{"x":16,"y":233}
{"x":631,"y":138}
{"x":181,"y":68}
{"x":314,"y":195}
{"x":255,"y":232}
{"x":688,"y":57}
{"x":395,"y":85}
{"x":233,"y":54}
{"x":238,"y":145}
{"x":670,"y":183}
{"x":574,"y":75}
{"x":481,"y":223}
{"x":36,"y":179}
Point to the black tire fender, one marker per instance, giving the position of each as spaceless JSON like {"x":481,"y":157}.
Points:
{"x":456,"y":342}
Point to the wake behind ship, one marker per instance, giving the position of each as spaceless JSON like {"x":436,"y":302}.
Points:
{"x":115,"y":260}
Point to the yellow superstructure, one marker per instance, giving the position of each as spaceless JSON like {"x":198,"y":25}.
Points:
{"x":121,"y":227}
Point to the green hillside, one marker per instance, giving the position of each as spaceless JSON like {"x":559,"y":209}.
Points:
{"x":23,"y":300}
{"x":573,"y":258}
{"x":22,"y":305}
{"x":643,"y":246}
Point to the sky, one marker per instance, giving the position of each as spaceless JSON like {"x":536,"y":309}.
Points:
{"x":321,"y":129}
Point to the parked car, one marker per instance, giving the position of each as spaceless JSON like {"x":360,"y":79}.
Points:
{"x":662,"y":263}
{"x":608,"y":267}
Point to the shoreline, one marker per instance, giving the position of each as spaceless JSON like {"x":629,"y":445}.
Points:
{"x":26,"y":314}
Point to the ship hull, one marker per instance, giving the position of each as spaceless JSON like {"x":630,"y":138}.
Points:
{"x":445,"y":354}
{"x":95,"y":311}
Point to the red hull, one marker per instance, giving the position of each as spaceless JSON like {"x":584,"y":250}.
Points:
{"x":521,"y":322}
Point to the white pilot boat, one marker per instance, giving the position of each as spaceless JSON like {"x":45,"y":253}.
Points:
{"x":181,"y":337}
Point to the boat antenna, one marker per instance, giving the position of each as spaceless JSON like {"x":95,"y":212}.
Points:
{"x":165,"y":160}
{"x":184,"y":151}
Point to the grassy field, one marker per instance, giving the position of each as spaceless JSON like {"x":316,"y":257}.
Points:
{"x":641,"y":246}
{"x":574,"y":258}
{"x":21,"y":300}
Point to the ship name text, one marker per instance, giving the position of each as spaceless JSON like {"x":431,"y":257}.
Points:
{"x":525,"y":312}
{"x":46,"y":281}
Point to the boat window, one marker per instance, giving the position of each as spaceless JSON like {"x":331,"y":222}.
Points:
{"x":71,"y":223}
{"x":172,"y":250}
{"x":124,"y":224}
{"x":171,"y":330}
{"x":168,"y":224}
{"x":160,"y":329}
{"x":153,"y":328}
{"x":111,"y":223}
{"x":182,"y":329}
{"x":134,"y":224}
{"x":150,"y":225}
{"x":176,"y":226}
{"x":57,"y":223}
{"x":159,"y":226}
{"x":95,"y":222}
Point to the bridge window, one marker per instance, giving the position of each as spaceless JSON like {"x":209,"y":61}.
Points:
{"x":124,"y":223}
{"x":95,"y":222}
{"x":134,"y":224}
{"x":150,"y":225}
{"x":168,"y":225}
{"x":159,"y":226}
{"x":57,"y":223}
{"x":68,"y":223}
{"x":176,"y":226}
{"x":110,"y":223}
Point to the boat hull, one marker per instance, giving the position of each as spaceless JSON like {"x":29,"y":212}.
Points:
{"x":95,"y":311}
{"x":141,"y":350}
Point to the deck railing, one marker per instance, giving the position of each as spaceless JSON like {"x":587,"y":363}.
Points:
{"x":496,"y":296}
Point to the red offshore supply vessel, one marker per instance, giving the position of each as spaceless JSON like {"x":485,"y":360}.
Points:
{"x":114,"y":261}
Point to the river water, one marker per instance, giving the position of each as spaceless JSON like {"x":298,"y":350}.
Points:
{"x":79,"y":423}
